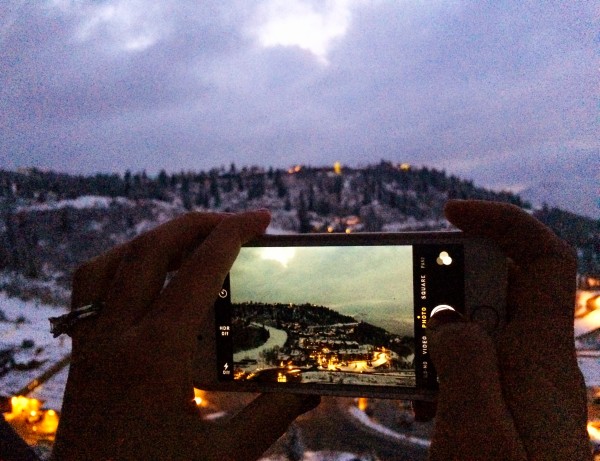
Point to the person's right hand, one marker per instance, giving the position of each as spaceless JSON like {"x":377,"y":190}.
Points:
{"x":520,"y":396}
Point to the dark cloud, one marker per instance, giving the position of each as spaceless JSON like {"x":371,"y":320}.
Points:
{"x":96,"y":86}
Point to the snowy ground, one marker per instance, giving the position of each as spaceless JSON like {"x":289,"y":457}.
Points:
{"x":35,"y":326}
{"x":589,"y":360}
{"x":79,"y":203}
{"x":25,"y":322}
{"x":51,"y":392}
{"x":276,"y":338}
{"x":401,"y":378}
{"x":587,"y":323}
{"x":323,"y":456}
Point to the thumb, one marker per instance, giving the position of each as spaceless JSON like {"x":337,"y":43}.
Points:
{"x":261,"y":423}
{"x":473,"y":421}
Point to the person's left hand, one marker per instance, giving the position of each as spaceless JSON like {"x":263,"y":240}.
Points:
{"x":130,"y":394}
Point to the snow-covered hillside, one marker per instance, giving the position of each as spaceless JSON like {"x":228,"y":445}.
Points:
{"x":28,"y":347}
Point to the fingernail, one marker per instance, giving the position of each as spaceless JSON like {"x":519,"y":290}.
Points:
{"x":262,"y":215}
{"x":443,"y":316}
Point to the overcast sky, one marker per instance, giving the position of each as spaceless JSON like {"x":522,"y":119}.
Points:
{"x":369,"y":283}
{"x":502,"y":92}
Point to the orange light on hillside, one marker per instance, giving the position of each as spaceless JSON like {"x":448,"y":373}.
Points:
{"x":22,"y":407}
{"x":29,"y":419}
{"x":200,"y":398}
{"x":405,"y":166}
{"x":337,"y":168}
{"x":362,"y":403}
{"x":593,"y":430}
{"x":352,"y":220}
{"x":49,"y":423}
{"x":295,"y":169}
{"x":359,"y":365}
{"x":583,"y":297}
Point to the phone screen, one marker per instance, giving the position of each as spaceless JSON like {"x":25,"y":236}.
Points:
{"x":335,"y":314}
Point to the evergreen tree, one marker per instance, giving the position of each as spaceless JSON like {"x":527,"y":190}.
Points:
{"x":163,"y":179}
{"x":127,"y":186}
{"x":303,"y":218}
{"x":186,"y":198}
{"x":257,"y":187}
{"x":214,"y":190}
{"x":280,"y":185}
{"x":8,"y":249}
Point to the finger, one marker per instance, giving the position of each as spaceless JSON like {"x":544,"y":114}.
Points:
{"x":543,"y":385}
{"x":93,"y":278}
{"x":187,"y":299}
{"x":129,"y":276}
{"x":472,"y":420}
{"x":261,"y":423}
{"x":521,"y":237}
{"x":545,"y":391}
{"x":542,"y":283}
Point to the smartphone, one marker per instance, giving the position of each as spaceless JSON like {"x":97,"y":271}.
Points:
{"x":346,"y":314}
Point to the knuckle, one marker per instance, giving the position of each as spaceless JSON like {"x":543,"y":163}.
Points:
{"x":83,"y":273}
{"x":137,"y":248}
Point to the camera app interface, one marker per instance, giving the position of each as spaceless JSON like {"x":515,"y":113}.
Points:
{"x":352,"y":315}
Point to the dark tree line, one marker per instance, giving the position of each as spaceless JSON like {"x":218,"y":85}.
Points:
{"x":376,"y":195}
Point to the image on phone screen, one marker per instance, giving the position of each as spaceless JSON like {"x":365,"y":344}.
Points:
{"x":334,"y":315}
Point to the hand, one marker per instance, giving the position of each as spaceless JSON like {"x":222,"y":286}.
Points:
{"x":129,"y":393}
{"x":522,"y":395}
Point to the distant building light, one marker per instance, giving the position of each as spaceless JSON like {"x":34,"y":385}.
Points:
{"x":352,"y":220}
{"x":593,"y":431}
{"x":404,"y":166}
{"x":199,"y":398}
{"x":337,"y":168}
{"x":295,"y":169}
{"x":348,"y":230}
{"x":27,"y":417}
{"x":362,"y":403}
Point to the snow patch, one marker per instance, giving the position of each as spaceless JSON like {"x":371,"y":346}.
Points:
{"x":324,"y":455}
{"x":80,"y":203}
{"x":589,"y":322}
{"x":365,"y":420}
{"x":28,"y":321}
